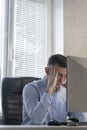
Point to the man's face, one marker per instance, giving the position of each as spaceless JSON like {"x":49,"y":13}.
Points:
{"x":61,"y":73}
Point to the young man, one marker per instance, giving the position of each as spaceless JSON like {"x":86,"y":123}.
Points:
{"x":45,"y":100}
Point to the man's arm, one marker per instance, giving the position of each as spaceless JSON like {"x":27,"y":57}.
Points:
{"x":34,"y":106}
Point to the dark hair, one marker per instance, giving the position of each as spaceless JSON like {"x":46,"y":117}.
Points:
{"x":58,"y":59}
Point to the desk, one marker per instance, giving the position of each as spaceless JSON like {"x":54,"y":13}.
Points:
{"x":6,"y":127}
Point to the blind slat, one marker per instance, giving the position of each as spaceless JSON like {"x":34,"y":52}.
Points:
{"x":31,"y":37}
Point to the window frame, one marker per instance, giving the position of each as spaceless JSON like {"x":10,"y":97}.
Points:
{"x":11,"y":34}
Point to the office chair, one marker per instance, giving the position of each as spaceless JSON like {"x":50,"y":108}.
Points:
{"x":12,"y":99}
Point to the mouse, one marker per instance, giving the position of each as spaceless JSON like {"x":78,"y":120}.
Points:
{"x":54,"y":123}
{"x":73,"y":122}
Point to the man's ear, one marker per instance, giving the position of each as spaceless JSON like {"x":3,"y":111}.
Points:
{"x":47,"y":70}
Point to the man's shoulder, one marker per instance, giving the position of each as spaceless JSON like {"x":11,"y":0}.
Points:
{"x":35,"y":84}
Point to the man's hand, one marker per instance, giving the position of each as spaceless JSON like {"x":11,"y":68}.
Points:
{"x":52,"y":80}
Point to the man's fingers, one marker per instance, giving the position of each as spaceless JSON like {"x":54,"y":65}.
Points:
{"x":53,"y":71}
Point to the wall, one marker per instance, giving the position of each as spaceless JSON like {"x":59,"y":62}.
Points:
{"x":75,"y":27}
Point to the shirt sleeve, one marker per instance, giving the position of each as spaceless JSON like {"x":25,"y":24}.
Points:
{"x":37,"y":110}
{"x":81,"y":116}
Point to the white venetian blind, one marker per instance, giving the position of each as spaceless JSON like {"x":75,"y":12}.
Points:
{"x":1,"y":48}
{"x":31,"y":34}
{"x":0,"y":38}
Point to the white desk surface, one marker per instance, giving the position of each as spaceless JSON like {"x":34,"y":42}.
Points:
{"x":30,"y":127}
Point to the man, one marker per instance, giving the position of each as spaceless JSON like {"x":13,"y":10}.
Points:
{"x":45,"y":100}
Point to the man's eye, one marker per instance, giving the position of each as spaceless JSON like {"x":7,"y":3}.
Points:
{"x":59,"y":74}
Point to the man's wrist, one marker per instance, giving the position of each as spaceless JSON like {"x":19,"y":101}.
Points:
{"x":49,"y":91}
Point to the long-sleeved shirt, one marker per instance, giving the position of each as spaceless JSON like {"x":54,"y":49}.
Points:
{"x":39,"y":108}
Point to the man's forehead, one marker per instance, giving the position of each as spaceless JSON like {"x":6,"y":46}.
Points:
{"x":58,"y":66}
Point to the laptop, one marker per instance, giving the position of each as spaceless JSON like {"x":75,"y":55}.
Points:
{"x":77,"y":85}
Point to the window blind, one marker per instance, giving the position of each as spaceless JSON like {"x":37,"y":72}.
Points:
{"x":31,"y":34}
{"x":1,"y":45}
{"x":0,"y":38}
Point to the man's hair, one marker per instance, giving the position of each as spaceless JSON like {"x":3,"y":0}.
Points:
{"x":58,"y":59}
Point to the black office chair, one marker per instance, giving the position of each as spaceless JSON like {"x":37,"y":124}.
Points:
{"x":12,"y":99}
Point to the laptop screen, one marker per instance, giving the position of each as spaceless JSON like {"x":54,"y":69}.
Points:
{"x":76,"y":84}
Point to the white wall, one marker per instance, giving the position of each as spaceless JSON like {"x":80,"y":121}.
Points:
{"x":75,"y":27}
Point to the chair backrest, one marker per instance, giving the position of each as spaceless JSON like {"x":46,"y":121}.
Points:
{"x":12,"y":98}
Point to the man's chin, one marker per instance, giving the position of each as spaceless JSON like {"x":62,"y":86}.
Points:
{"x":58,"y":85}
{"x":64,"y":85}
